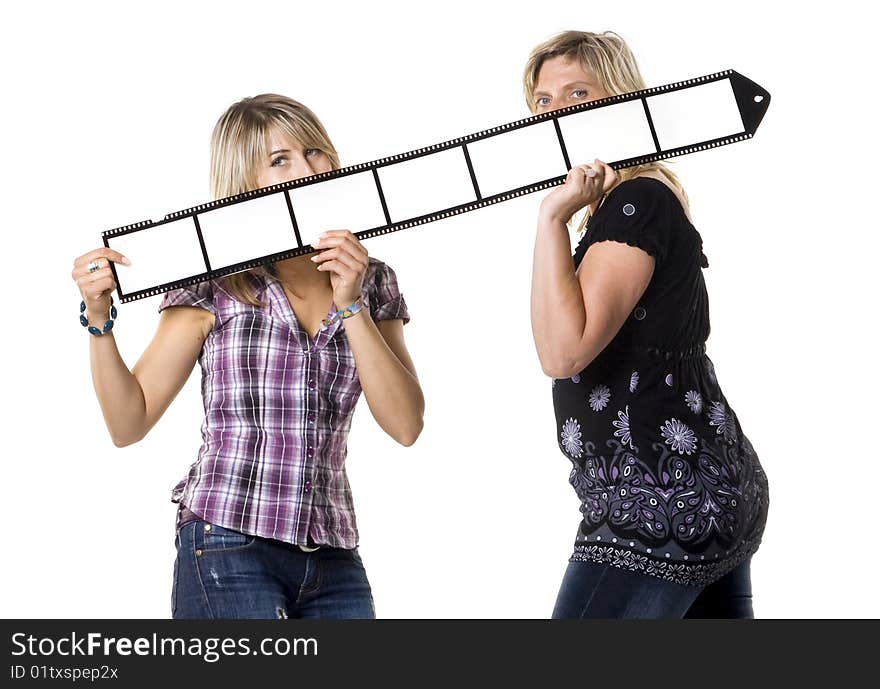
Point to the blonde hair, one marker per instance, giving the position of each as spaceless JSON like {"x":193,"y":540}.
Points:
{"x":238,"y":145}
{"x":607,"y":56}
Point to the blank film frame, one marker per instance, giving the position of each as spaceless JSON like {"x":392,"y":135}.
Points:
{"x":435,"y":182}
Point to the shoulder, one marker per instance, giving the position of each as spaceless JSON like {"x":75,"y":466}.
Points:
{"x":181,"y":320}
{"x":379,"y":273}
{"x":200,"y":295}
{"x":383,"y":292}
{"x":638,"y":202}
{"x":375,"y":265}
{"x":642,"y":212}
{"x":644,"y":187}
{"x":652,"y":189}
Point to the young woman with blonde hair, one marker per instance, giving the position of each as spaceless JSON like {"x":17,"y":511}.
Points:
{"x":266,"y":525}
{"x":673,"y":497}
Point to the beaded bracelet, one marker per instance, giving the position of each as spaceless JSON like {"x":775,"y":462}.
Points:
{"x":345,"y":313}
{"x":108,"y":326}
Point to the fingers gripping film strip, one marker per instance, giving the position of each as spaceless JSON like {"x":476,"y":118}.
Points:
{"x":370,"y":199}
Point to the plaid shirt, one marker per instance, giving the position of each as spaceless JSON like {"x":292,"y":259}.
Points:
{"x":278,"y":408}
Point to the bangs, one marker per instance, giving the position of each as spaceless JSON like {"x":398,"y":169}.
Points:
{"x":303,"y":131}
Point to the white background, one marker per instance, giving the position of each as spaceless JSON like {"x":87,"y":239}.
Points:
{"x":106,"y":117}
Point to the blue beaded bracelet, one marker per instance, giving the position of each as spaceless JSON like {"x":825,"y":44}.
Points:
{"x":108,"y":326}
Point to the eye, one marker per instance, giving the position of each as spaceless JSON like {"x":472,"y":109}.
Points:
{"x":277,"y":162}
{"x":312,"y":152}
{"x":579,"y":93}
{"x":543,"y":102}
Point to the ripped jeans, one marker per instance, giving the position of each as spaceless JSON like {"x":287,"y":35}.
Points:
{"x":224,"y":574}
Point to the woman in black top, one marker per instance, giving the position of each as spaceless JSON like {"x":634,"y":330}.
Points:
{"x":674,"y":499}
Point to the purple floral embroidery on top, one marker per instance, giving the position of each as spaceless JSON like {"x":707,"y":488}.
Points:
{"x":599,"y":397}
{"x":678,"y":436}
{"x":724,"y":423}
{"x":634,"y":381}
{"x":622,"y":426}
{"x":571,"y":438}
{"x":694,"y":401}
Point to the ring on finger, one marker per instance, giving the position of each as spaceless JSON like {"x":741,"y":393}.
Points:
{"x":93,"y":266}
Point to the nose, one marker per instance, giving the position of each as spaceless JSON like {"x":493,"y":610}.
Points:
{"x":303,"y":168}
{"x":556,"y":104}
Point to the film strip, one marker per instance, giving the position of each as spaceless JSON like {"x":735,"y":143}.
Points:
{"x":427,"y":184}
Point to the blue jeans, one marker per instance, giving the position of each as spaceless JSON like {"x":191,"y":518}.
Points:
{"x":224,"y":574}
{"x":591,"y":590}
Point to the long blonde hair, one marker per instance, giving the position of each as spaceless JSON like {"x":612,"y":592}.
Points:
{"x":608,"y":57}
{"x":238,"y":145}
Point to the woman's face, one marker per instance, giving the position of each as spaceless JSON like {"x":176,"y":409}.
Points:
{"x":562,"y":82}
{"x":285,"y":160}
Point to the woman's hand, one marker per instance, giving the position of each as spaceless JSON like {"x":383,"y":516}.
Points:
{"x":347,"y":260}
{"x":585,"y":184}
{"x":95,"y":286}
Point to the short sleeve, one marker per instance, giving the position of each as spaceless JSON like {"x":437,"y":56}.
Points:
{"x":201,"y":295}
{"x":385,"y":300}
{"x":638,"y":213}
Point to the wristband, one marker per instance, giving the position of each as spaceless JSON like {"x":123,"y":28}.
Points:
{"x":357,"y":306}
{"x":108,"y":325}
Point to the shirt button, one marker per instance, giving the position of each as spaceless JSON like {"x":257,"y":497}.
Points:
{"x":308,"y":487}
{"x":310,"y":452}
{"x":207,"y":527}
{"x":312,"y":416}
{"x":312,"y":385}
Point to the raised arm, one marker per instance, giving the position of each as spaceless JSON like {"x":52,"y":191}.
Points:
{"x":133,"y":401}
{"x":575,"y":315}
{"x":384,"y":367}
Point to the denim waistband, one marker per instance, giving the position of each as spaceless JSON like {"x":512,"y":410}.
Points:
{"x":185,"y":516}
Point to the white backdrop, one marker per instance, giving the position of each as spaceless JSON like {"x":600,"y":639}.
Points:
{"x":106,"y":117}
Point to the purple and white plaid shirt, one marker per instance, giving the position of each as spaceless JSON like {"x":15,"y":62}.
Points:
{"x":278,"y":408}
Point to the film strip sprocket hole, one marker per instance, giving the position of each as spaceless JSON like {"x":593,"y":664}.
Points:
{"x":390,"y":194}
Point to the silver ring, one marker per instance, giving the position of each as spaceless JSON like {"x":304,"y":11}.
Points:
{"x":93,"y":266}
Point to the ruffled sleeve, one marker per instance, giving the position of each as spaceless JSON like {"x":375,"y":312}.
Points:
{"x":383,"y":293}
{"x":201,"y":295}
{"x":638,"y":213}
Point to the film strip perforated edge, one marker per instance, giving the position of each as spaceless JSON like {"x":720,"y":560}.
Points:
{"x":751,"y":119}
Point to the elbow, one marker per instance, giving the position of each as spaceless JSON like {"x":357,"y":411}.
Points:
{"x":555,"y":370}
{"x":560,"y":367}
{"x":555,"y":359}
{"x":564,"y":360}
{"x":125,"y":439}
{"x":407,"y":437}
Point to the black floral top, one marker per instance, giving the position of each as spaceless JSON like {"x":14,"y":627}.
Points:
{"x":669,"y":484}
